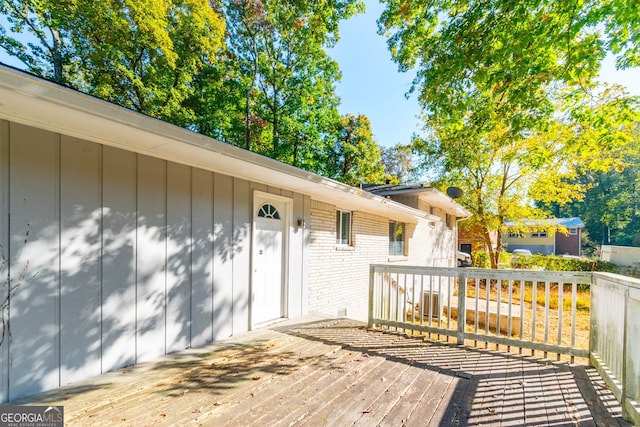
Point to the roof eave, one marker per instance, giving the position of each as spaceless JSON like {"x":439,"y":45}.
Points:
{"x":32,"y":101}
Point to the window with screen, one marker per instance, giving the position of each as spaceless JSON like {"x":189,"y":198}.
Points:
{"x":396,"y":238}
{"x":343,"y":228}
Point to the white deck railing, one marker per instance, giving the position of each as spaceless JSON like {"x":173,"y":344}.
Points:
{"x":614,"y":347}
{"x":586,"y":315}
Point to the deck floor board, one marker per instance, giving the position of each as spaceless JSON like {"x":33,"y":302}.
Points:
{"x":336,"y":372}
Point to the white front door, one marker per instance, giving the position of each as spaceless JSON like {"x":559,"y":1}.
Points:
{"x":270,"y":221}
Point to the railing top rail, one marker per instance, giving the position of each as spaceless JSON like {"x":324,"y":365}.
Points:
{"x":481,"y":273}
{"x":477,"y":312}
{"x":617,"y":279}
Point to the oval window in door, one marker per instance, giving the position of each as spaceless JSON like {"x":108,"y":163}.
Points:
{"x":268,"y":211}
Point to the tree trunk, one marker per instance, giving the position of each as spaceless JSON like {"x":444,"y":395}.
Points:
{"x":489,"y":244}
{"x":56,"y":54}
{"x":247,"y":107}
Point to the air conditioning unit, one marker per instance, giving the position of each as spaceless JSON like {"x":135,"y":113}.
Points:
{"x":431,"y":300}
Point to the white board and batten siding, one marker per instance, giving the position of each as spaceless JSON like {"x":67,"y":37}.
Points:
{"x":120,"y":258}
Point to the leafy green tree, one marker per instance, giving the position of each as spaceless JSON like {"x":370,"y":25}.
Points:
{"x":611,"y":205}
{"x":357,"y":156}
{"x":143,"y":54}
{"x":37,"y":35}
{"x":502,"y":174}
{"x":505,"y":102}
{"x":286,"y":76}
{"x":247,"y":28}
{"x":217,"y":101}
{"x":398,"y":163}
{"x":140,"y":54}
{"x":608,"y":159}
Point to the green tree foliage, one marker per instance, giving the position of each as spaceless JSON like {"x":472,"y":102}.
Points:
{"x":140,"y":54}
{"x":254,"y":73}
{"x":611,"y":205}
{"x":143,"y":54}
{"x":398,"y":163}
{"x":357,"y":156}
{"x":284,"y":78}
{"x":507,"y":90}
{"x":45,"y":51}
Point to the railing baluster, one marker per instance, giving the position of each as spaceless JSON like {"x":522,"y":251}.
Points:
{"x":397,"y":301}
{"x":421,"y":303}
{"x":440,"y":302}
{"x":384,"y":285}
{"x":534,"y":305}
{"x":462,"y":306}
{"x":498,"y":304}
{"x":560,"y":312}
{"x":487,"y":287}
{"x":450,"y":290}
{"x":574,"y":311}
{"x":510,"y":305}
{"x":521,"y":336}
{"x":430,"y":303}
{"x":413,"y":303}
{"x":476,"y":309}
{"x":403,"y":315}
{"x":380,"y":302}
{"x":547,"y":295}
{"x":388,"y":305}
{"x":373,"y":283}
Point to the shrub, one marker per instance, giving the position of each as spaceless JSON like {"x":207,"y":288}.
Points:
{"x":481,"y":259}
{"x":556,"y":263}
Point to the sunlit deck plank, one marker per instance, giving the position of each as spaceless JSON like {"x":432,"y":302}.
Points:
{"x":336,"y":372}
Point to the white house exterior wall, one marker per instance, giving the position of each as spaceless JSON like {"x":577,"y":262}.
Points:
{"x":438,"y":240}
{"x":120,"y":257}
{"x":125,"y":238}
{"x":338,"y":275}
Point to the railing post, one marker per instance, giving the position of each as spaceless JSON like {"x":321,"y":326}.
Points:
{"x":462,"y":306}
{"x":592,"y":319}
{"x":372,"y":273}
{"x":625,"y":351}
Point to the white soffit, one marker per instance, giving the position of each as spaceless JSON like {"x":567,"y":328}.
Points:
{"x":436,"y":198}
{"x":39,"y":103}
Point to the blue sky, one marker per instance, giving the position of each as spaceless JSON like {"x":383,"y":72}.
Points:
{"x":371,"y":84}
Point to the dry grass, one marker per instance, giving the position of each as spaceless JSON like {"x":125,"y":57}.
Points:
{"x":552,"y":325}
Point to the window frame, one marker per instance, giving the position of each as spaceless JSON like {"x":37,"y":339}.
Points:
{"x":394,"y":242}
{"x":340,"y":240}
{"x":448,"y":218}
{"x":539,"y":234}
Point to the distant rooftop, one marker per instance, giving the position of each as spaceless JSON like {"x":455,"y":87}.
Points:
{"x":574,"y":222}
{"x":430,"y":195}
{"x":389,"y":189}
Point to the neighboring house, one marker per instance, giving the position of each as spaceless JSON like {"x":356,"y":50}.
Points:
{"x":545,"y":242}
{"x":441,"y":242}
{"x":128,"y":238}
{"x":470,"y":239}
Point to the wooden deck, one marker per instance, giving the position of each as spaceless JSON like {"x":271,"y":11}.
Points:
{"x":336,"y":372}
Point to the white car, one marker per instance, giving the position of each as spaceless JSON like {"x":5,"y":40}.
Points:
{"x":523,"y":252}
{"x":464,"y":259}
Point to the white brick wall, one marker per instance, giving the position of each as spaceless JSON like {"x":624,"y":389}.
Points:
{"x":339,"y":276}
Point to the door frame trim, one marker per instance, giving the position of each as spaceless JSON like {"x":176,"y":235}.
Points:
{"x":263,"y":196}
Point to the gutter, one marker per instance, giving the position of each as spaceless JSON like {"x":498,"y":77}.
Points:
{"x":33,"y":101}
